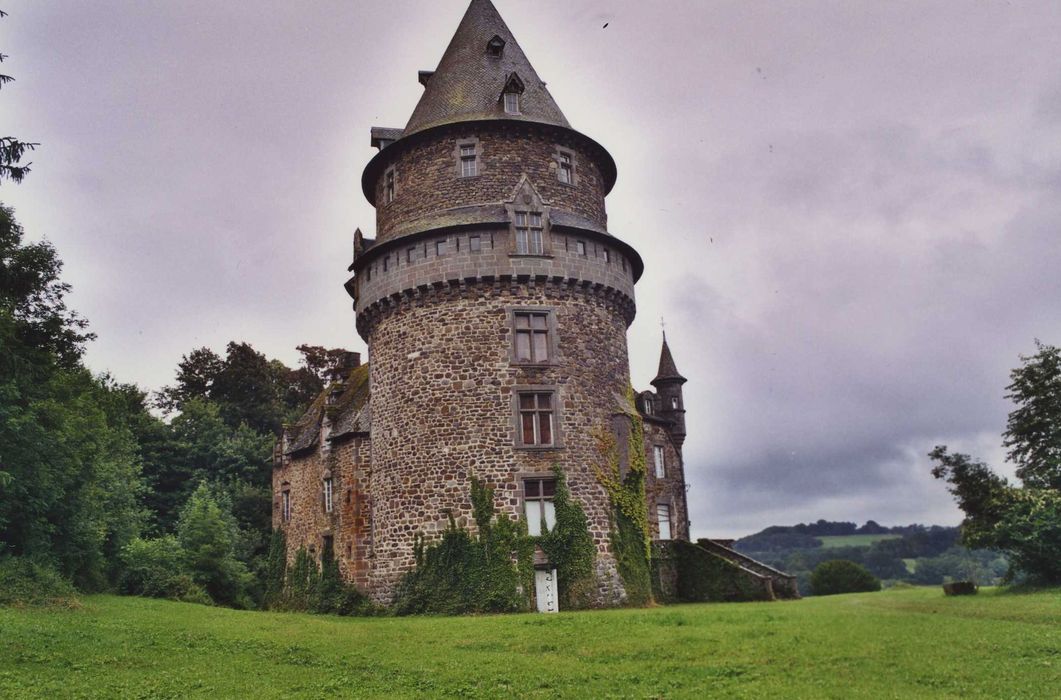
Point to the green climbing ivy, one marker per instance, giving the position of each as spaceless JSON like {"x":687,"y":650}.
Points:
{"x":570,"y":548}
{"x":305,"y":587}
{"x":490,"y":572}
{"x":630,"y":540}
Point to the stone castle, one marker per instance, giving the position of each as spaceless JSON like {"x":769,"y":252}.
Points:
{"x":495,"y":304}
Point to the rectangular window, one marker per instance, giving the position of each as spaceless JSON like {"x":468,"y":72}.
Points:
{"x":386,"y":262}
{"x":674,"y":403}
{"x":580,"y":247}
{"x":409,"y":254}
{"x":475,"y":244}
{"x":566,"y":170}
{"x":536,"y":418}
{"x":469,"y":161}
{"x":285,"y":508}
{"x":388,"y":187}
{"x":663,"y":516}
{"x":607,"y":255}
{"x":532,"y":336}
{"x":511,"y":103}
{"x":328,"y":495}
{"x":440,"y":247}
{"x":657,"y":456}
{"x":529,"y":233}
{"x":538,"y":506}
{"x":648,"y":407}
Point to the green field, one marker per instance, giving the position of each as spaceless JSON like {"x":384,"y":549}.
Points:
{"x":901,"y":643}
{"x":834,"y":541}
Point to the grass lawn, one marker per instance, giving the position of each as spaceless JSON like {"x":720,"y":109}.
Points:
{"x":833,"y":541}
{"x":895,"y":644}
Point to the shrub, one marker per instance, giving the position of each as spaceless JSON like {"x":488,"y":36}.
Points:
{"x":25,"y":582}
{"x":842,"y":576}
{"x":207,"y":534}
{"x":156,"y":568}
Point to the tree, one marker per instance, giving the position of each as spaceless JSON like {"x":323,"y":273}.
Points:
{"x":842,"y":576}
{"x":11,"y":149}
{"x":207,"y":534}
{"x":1033,"y":431}
{"x":1024,"y":523}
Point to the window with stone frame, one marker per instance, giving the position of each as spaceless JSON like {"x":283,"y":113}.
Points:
{"x":285,"y":506}
{"x":657,"y":457}
{"x":648,"y":406}
{"x":663,"y":518}
{"x":580,"y":247}
{"x":538,"y":505}
{"x":529,"y":233}
{"x":565,"y":170}
{"x":440,"y":248}
{"x":389,"y":185}
{"x":328,"y":490}
{"x":536,"y":418}
{"x":475,"y":244}
{"x":531,"y":336}
{"x":469,"y":160}
{"x":409,"y":253}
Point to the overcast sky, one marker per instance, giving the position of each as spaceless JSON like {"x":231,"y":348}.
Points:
{"x":849,"y":211}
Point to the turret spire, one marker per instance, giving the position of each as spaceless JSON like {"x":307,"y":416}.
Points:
{"x":668,"y":371}
{"x":482,"y":63}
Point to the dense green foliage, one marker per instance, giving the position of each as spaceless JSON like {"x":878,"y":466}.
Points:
{"x":1023,"y":522}
{"x":95,"y":487}
{"x":1033,"y":431}
{"x":491,"y":571}
{"x":895,"y":644}
{"x":703,"y":577}
{"x":307,"y":587}
{"x":631,"y":544}
{"x":842,"y":576}
{"x":25,"y":582}
{"x":570,"y":548}
{"x":907,"y":553}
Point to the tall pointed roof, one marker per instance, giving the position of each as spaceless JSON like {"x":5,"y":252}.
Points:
{"x":471,"y":77}
{"x":668,"y":371}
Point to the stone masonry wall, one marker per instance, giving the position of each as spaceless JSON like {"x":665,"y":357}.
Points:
{"x":443,"y":409}
{"x":670,"y":489}
{"x":427,"y":177}
{"x":420,"y":263}
{"x":349,"y":523}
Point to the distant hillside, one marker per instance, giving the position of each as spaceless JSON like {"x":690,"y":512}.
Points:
{"x":924,"y":554}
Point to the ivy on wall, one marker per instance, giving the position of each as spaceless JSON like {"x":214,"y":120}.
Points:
{"x":700,"y":576}
{"x":629,"y":529}
{"x":490,"y":572}
{"x":305,"y":587}
{"x":569,"y":547}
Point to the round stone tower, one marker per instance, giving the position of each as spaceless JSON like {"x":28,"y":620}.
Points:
{"x":493,"y":300}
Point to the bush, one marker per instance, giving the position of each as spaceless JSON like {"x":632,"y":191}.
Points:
{"x":842,"y":576}
{"x":207,"y":534}
{"x":24,"y":582}
{"x":156,"y":568}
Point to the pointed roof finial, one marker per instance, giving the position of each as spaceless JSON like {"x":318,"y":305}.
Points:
{"x":473,"y":74}
{"x":668,"y":371}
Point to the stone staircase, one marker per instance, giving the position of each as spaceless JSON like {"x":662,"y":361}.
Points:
{"x":783,"y":585}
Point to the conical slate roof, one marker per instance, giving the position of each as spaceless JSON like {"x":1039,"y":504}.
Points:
{"x":469,"y":81}
{"x":668,"y":371}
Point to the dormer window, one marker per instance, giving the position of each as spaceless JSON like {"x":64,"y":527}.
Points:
{"x":511,"y":103}
{"x":495,"y":47}
{"x":511,"y":95}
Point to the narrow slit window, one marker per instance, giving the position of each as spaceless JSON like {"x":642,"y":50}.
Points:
{"x":328,"y":496}
{"x":469,"y":161}
{"x":409,"y":252}
{"x":285,"y":507}
{"x":388,"y":186}
{"x":663,"y":517}
{"x":567,"y":168}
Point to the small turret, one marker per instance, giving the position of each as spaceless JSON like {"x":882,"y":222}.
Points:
{"x":668,"y":383}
